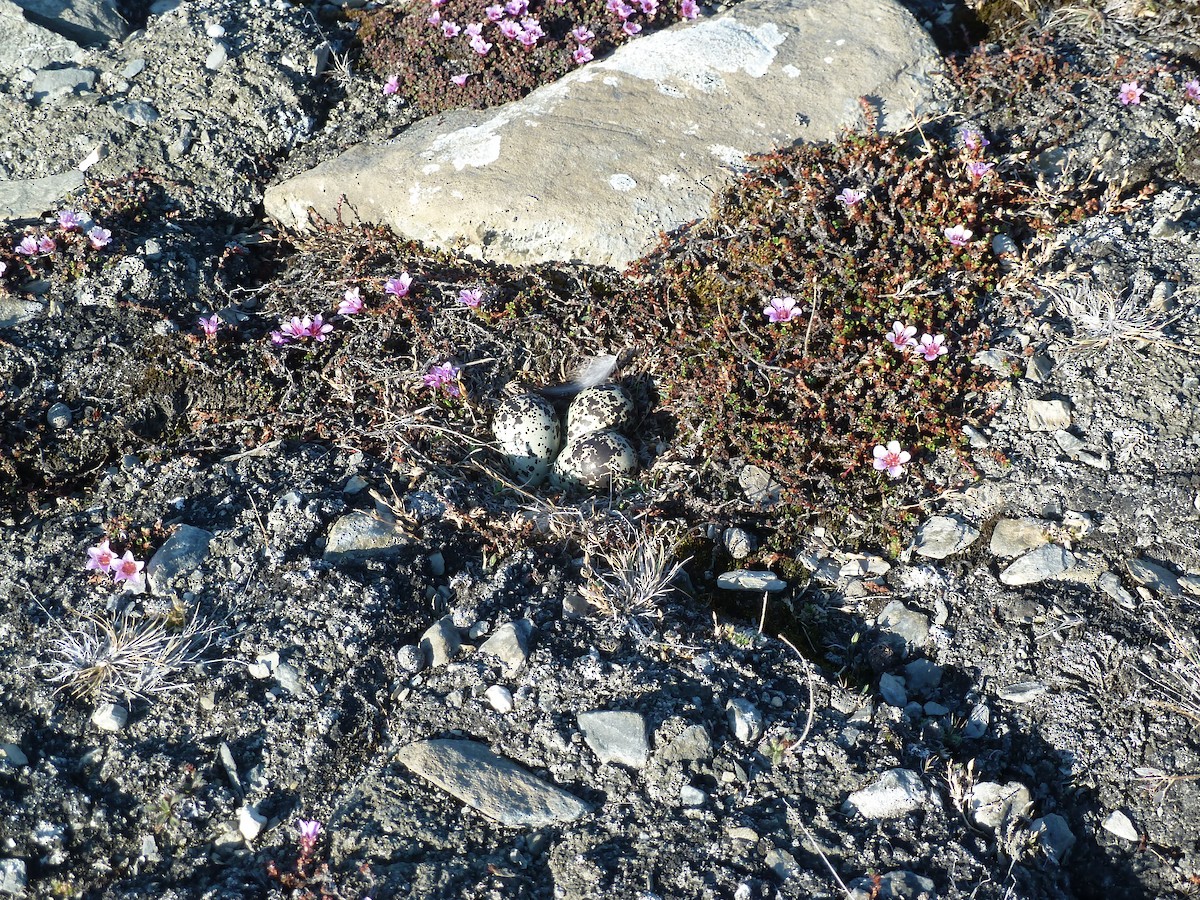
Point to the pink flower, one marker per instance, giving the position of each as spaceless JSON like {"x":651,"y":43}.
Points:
{"x":619,"y":8}
{"x":46,"y":244}
{"x":902,"y":336}
{"x":631,"y":28}
{"x":972,"y":139}
{"x":296,"y":329}
{"x":129,"y":570}
{"x":891,"y":458}
{"x":101,"y":558}
{"x":1130,"y":94}
{"x":211,"y":325}
{"x":528,"y":39}
{"x":278,"y":338}
{"x":475,"y":29}
{"x":461,"y":79}
{"x":582,"y":55}
{"x":958,"y":236}
{"x":649,"y":7}
{"x":444,"y":377}
{"x":351,"y":303}
{"x":932,"y":347}
{"x":99,"y":237}
{"x":495,"y":12}
{"x":435,"y":18}
{"x":849,"y":197}
{"x":28,"y":246}
{"x":449,"y":29}
{"x":472,"y":298}
{"x":977,"y":168}
{"x":688,"y":9}
{"x":68,"y":220}
{"x":511,"y":29}
{"x":516,"y":7}
{"x":1191,"y":90}
{"x":480,"y":46}
{"x":399,"y":285}
{"x":319,"y":328}
{"x":391,"y":85}
{"x":582,"y":34}
{"x":309,"y":829}
{"x":533,"y":26}
{"x":781,"y":309}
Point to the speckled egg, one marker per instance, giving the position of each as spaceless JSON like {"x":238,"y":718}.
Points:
{"x":529,"y":434}
{"x":601,"y":408}
{"x":591,"y":460}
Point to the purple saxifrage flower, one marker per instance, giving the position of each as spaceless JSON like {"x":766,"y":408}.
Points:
{"x":68,"y":220}
{"x":46,"y":244}
{"x":932,"y":346}
{"x":781,"y":309}
{"x":461,"y":78}
{"x":100,"y":237}
{"x":210,"y":326}
{"x":582,"y":34}
{"x":28,"y":246}
{"x":891,"y":459}
{"x":1130,"y":93}
{"x":101,"y":558}
{"x":443,"y":377}
{"x":1191,"y":90}
{"x":399,"y":285}
{"x":902,"y":337}
{"x":129,"y":570}
{"x":849,"y":197}
{"x":391,"y":85}
{"x":582,"y":55}
{"x":472,"y":297}
{"x":972,"y":139}
{"x":351,"y":303}
{"x":958,"y":236}
{"x":309,"y":829}
{"x":688,"y":9}
{"x":977,"y":168}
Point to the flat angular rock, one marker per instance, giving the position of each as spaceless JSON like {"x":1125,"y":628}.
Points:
{"x":26,"y":44}
{"x":510,"y":644}
{"x":1047,"y":561}
{"x":616,"y":737}
{"x":496,"y":787}
{"x":750,"y":580}
{"x":49,"y":84}
{"x":942,"y":536}
{"x":86,"y":22}
{"x":16,"y":311}
{"x":1012,"y":537}
{"x":1154,"y":576}
{"x":692,"y":744}
{"x":592,"y":167}
{"x":1048,"y":415}
{"x":360,"y":535}
{"x":903,"y":626}
{"x":183,"y":552}
{"x":29,"y":198}
{"x":896,"y":793}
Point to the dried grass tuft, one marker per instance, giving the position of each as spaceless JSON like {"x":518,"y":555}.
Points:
{"x":628,"y":573}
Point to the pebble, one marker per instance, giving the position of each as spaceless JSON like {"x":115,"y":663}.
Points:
{"x":110,"y":717}
{"x":138,"y":112}
{"x":1048,"y":415}
{"x":977,"y":722}
{"x":1039,"y":368}
{"x":892,"y":688}
{"x":1022,"y":691}
{"x":133,"y":68}
{"x":1111,"y":585}
{"x":898,"y":885}
{"x":500,"y":698}
{"x":739,"y":542}
{"x":1054,"y":835}
{"x":12,"y":755}
{"x":745,"y":720}
{"x":750,"y":580}
{"x":214,"y":30}
{"x":1047,"y":561}
{"x":250,"y":822}
{"x":942,"y":536}
{"x":289,"y":679}
{"x":510,"y":644}
{"x":1120,"y":824}
{"x":1012,"y":537}
{"x":12,"y":877}
{"x":922,"y":676}
{"x":692,"y":796}
{"x":991,"y":804}
{"x":758,"y":486}
{"x":896,"y":793}
{"x":691,"y":745}
{"x":898,"y":621}
{"x":16,"y":311}
{"x":1154,"y":576}
{"x":440,"y":642}
{"x":362,"y":535}
{"x":183,"y":552}
{"x":59,"y":416}
{"x":437,"y":564}
{"x":490,"y":784}
{"x":217,"y":57}
{"x":616,"y":737}
{"x":935,"y":709}
{"x":782,"y":863}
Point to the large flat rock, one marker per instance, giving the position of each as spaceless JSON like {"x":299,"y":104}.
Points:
{"x":594,"y":166}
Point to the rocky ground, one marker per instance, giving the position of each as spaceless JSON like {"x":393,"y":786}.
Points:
{"x":988,"y":686}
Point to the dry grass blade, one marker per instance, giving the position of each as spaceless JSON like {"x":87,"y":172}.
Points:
{"x":1102,"y":320}
{"x":1176,"y":686}
{"x":107,"y":661}
{"x":628,"y":573}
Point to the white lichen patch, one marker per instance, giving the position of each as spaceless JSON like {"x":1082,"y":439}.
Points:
{"x":621,"y":182}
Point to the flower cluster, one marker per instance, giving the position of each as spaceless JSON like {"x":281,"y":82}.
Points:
{"x":445,"y":378}
{"x":298,"y":329}
{"x":103,"y":558}
{"x":315,"y":328}
{"x":904,"y":339}
{"x":70,"y":222}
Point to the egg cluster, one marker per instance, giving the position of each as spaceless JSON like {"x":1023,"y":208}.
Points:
{"x":530,"y":437}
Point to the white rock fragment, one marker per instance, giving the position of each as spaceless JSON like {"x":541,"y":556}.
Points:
{"x":896,"y":793}
{"x":250,"y":822}
{"x":500,"y":698}
{"x":1120,"y":824}
{"x":110,"y":717}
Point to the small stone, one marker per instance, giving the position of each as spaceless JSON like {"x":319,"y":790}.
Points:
{"x":896,"y":793}
{"x":616,"y":737}
{"x":496,"y":787}
{"x":500,"y":698}
{"x":16,"y":311}
{"x":898,"y":885}
{"x":991,"y":804}
{"x":59,"y":416}
{"x":50,"y":84}
{"x":692,"y":796}
{"x":355,"y":484}
{"x":892,"y":688}
{"x":12,"y":877}
{"x":1120,"y":824}
{"x":1111,"y":585}
{"x":183,"y":553}
{"x":1039,"y":368}
{"x":758,"y":486}
{"x":110,"y":717}
{"x":977,"y":722}
{"x":739,"y":542}
{"x":1047,"y":561}
{"x":942,"y":536}
{"x":217,"y":57}
{"x":750,"y":580}
{"x":1022,"y":691}
{"x":1012,"y":537}
{"x":782,"y":863}
{"x":922,"y":676}
{"x":133,"y":68}
{"x":691,"y":745}
{"x":437,"y":564}
{"x":410,"y":658}
{"x":899,"y":624}
{"x":1054,"y":835}
{"x":510,"y":644}
{"x":1154,"y":576}
{"x":138,"y":112}
{"x":1048,"y":415}
{"x":935,"y":709}
{"x":289,"y":679}
{"x":441,"y":642}
{"x":250,"y":822}
{"x":745,"y":720}
{"x":362,"y":535}
{"x":11,"y":754}
{"x":214,"y":30}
